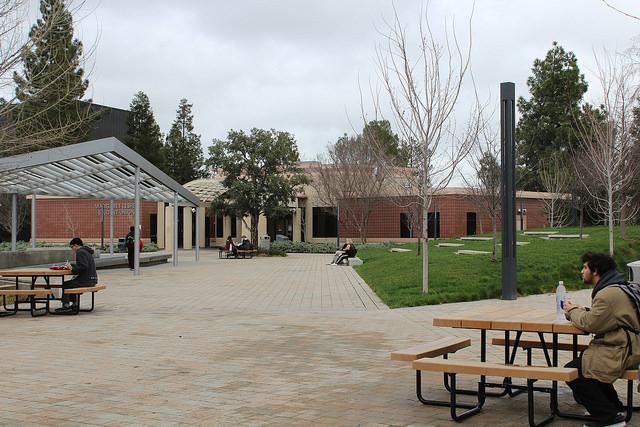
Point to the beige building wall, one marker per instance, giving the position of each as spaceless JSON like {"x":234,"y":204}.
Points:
{"x":160,"y":225}
{"x":187,"y":228}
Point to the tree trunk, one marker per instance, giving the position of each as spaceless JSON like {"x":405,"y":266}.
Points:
{"x":425,"y":250}
{"x":581,"y":221}
{"x":610,"y":212}
{"x":254,"y":229}
{"x":494,"y":229}
{"x":623,"y":222}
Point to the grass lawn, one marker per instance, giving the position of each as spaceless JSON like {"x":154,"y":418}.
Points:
{"x":397,"y":276}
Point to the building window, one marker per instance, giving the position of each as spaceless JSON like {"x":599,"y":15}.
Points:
{"x":234,"y":226}
{"x":219,"y":225}
{"x":405,"y":226}
{"x":325,"y":223}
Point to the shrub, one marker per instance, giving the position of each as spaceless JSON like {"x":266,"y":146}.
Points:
{"x":303,"y":247}
{"x":271,"y":252}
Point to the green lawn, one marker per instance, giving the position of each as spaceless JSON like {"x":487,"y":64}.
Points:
{"x":396,"y":277}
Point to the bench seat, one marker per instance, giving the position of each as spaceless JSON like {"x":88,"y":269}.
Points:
{"x":246,"y":252}
{"x":527,"y":344}
{"x":496,"y":369}
{"x":79,"y":292}
{"x":433,"y":349}
{"x":31,"y":294}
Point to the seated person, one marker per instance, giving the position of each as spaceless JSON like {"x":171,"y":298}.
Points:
{"x":245,"y":244}
{"x":230,"y":247}
{"x":348,"y":250}
{"x":84,"y":270}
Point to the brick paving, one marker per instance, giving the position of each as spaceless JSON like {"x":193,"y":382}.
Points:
{"x":267,"y":341}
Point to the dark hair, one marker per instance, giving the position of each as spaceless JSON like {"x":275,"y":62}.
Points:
{"x":76,"y":241}
{"x":132,"y":228}
{"x":598,"y":262}
{"x":228,"y":237}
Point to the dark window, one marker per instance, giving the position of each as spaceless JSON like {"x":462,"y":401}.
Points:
{"x":234,"y":226}
{"x":405,"y":226}
{"x":325,"y":223}
{"x":303,"y":223}
{"x":219,"y":225}
{"x":471,"y":223}
{"x":153,"y":226}
{"x":433,"y":222}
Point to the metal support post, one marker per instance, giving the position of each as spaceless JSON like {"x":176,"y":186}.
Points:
{"x":175,"y":229}
{"x":111,"y":226}
{"x":14,"y":222}
{"x":507,"y":130}
{"x":33,"y":220}
{"x":136,"y":243}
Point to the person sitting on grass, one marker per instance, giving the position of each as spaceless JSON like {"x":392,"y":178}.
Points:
{"x":348,"y":250}
{"x":614,"y":320}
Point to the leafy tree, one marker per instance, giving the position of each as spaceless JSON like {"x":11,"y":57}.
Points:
{"x":380,"y":134}
{"x":260,"y":171}
{"x":547,"y":122}
{"x":52,"y":82}
{"x":183,"y":151}
{"x":143,"y":133}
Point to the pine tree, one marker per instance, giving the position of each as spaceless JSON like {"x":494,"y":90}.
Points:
{"x":143,"y":132}
{"x":183,"y":151}
{"x":52,"y":82}
{"x":547,"y":122}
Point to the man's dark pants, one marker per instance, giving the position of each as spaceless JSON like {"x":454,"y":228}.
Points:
{"x":70,"y":284}
{"x":130,"y":256}
{"x":600,"y":399}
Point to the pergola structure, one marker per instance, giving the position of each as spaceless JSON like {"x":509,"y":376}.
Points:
{"x":104,"y":168}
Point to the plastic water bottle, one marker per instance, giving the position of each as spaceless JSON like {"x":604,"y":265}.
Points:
{"x":561,"y":292}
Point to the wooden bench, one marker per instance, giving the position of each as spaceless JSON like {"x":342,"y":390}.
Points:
{"x":243,"y":253}
{"x":530,"y":373}
{"x":441,"y":347}
{"x":31,"y":294}
{"x":529,"y":344}
{"x":436,"y":348}
{"x":81,"y":291}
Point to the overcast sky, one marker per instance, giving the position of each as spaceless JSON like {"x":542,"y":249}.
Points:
{"x":294,"y":65}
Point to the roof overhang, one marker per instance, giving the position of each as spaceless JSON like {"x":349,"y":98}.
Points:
{"x":103,"y":168}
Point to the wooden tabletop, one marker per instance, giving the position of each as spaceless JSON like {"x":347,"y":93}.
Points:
{"x":31,"y":272}
{"x":515,"y":319}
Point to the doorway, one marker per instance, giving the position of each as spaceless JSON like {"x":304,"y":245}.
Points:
{"x":471,"y":223}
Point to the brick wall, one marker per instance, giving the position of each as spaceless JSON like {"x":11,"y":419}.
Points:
{"x":59,"y":219}
{"x":384,"y":221}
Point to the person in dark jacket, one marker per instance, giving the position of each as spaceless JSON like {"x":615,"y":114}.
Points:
{"x":348,"y":250}
{"x":129,"y":240}
{"x":614,"y":321}
{"x":84,"y":270}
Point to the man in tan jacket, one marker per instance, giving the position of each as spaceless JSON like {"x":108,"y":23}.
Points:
{"x":614,"y":320}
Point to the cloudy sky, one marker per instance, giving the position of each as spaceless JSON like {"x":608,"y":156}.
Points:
{"x":295,"y":65}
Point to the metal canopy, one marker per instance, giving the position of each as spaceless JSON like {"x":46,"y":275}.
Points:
{"x":103,"y":168}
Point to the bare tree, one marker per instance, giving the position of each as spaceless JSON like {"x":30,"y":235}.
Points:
{"x":349,"y":178}
{"x":424,"y":94}
{"x":605,"y":163}
{"x":555,"y":176}
{"x":41,"y":129}
{"x":485,"y":183}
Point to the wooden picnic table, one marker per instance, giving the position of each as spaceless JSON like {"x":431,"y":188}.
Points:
{"x":518,"y":320}
{"x":34,"y":272}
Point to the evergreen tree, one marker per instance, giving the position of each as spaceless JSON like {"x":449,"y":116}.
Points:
{"x":143,"y":132}
{"x":52,"y":82}
{"x":547,"y":120}
{"x":183,"y":151}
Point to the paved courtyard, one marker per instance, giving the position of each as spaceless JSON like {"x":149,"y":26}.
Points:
{"x":267,"y":341}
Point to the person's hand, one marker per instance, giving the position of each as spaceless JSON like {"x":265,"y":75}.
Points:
{"x":568,"y":306}
{"x":67,"y":265}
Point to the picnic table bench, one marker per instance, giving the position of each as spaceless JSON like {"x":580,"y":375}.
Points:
{"x":79,"y":292}
{"x":31,"y":294}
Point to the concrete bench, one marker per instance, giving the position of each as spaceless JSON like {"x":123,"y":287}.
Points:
{"x":31,"y":294}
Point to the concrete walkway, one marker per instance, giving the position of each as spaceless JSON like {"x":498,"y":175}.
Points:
{"x":266,"y":341}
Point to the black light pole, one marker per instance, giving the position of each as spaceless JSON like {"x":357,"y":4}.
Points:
{"x":507,"y":130}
